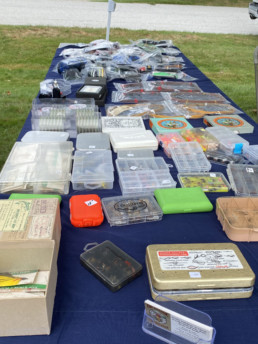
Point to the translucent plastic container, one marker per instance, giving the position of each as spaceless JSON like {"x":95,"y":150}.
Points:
{"x":45,"y":136}
{"x":251,"y":153}
{"x":135,"y":153}
{"x":143,"y":175}
{"x":70,"y":115}
{"x":126,"y":210}
{"x":238,"y":217}
{"x":229,"y":142}
{"x":202,"y":136}
{"x":132,"y":140}
{"x":37,"y":168}
{"x":89,"y":141}
{"x":189,"y":157}
{"x":93,"y":169}
{"x":175,"y":323}
{"x":118,"y":124}
{"x":110,"y":265}
{"x":243,"y":179}
{"x":166,"y":139}
{"x":209,"y":182}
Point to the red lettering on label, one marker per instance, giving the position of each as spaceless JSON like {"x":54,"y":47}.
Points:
{"x":172,"y":253}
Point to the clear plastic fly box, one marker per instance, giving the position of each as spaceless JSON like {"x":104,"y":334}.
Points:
{"x":129,"y":210}
{"x":202,"y":136}
{"x":189,"y":157}
{"x":37,"y":168}
{"x":143,"y":175}
{"x":93,"y":169}
{"x":229,"y":142}
{"x":251,"y":153}
{"x":71,"y":115}
{"x":243,"y":179}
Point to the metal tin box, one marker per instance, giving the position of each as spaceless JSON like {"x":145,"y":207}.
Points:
{"x":185,"y":272}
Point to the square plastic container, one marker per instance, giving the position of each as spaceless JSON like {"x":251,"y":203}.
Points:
{"x":202,"y":136}
{"x":243,"y":179}
{"x":175,"y":323}
{"x":37,"y":168}
{"x":128,"y":210}
{"x":125,"y":124}
{"x":135,"y":153}
{"x":143,"y":175}
{"x":140,"y":139}
{"x":189,"y":157}
{"x":251,"y":153}
{"x":229,"y":142}
{"x":166,"y":139}
{"x":92,"y":169}
{"x":70,"y":115}
{"x":90,"y":141}
{"x":222,"y":158}
{"x":45,"y":136}
{"x":112,"y":266}
{"x":238,"y":217}
{"x":209,"y":182}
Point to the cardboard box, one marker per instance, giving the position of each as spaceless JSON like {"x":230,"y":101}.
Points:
{"x":30,"y":233}
{"x":32,"y":315}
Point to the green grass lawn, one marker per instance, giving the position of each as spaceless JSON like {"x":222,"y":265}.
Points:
{"x":26,"y":54}
{"x":229,"y":3}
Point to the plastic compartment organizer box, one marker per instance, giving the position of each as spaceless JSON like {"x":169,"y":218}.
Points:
{"x":243,"y":179}
{"x":189,"y":157}
{"x":143,"y":175}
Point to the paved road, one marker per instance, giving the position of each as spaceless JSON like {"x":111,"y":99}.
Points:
{"x":83,"y":13}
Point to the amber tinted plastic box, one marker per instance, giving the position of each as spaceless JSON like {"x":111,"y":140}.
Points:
{"x":238,"y":217}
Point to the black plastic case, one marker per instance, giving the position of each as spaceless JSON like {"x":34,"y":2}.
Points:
{"x":110,"y":264}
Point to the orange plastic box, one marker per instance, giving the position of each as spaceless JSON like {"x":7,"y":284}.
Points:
{"x":239,"y":217}
{"x":86,"y":211}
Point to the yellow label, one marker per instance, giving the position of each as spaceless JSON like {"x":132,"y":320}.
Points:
{"x":14,"y":215}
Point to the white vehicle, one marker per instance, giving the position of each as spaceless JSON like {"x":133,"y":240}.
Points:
{"x":253,"y":9}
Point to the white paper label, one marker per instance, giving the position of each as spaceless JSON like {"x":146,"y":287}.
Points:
{"x":92,"y":147}
{"x":189,"y":329}
{"x":130,"y":154}
{"x":213,"y":175}
{"x":91,"y":202}
{"x":195,"y":274}
{"x":133,"y":168}
{"x":165,"y":181}
{"x":249,"y":170}
{"x":198,"y":260}
{"x":178,"y":324}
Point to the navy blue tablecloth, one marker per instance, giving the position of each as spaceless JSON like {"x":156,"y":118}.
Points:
{"x":85,"y":311}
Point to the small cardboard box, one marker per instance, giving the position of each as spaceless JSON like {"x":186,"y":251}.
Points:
{"x":31,"y":315}
{"x":29,"y":240}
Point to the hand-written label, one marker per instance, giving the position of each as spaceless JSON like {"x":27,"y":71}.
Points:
{"x":91,"y":202}
{"x":198,"y":260}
